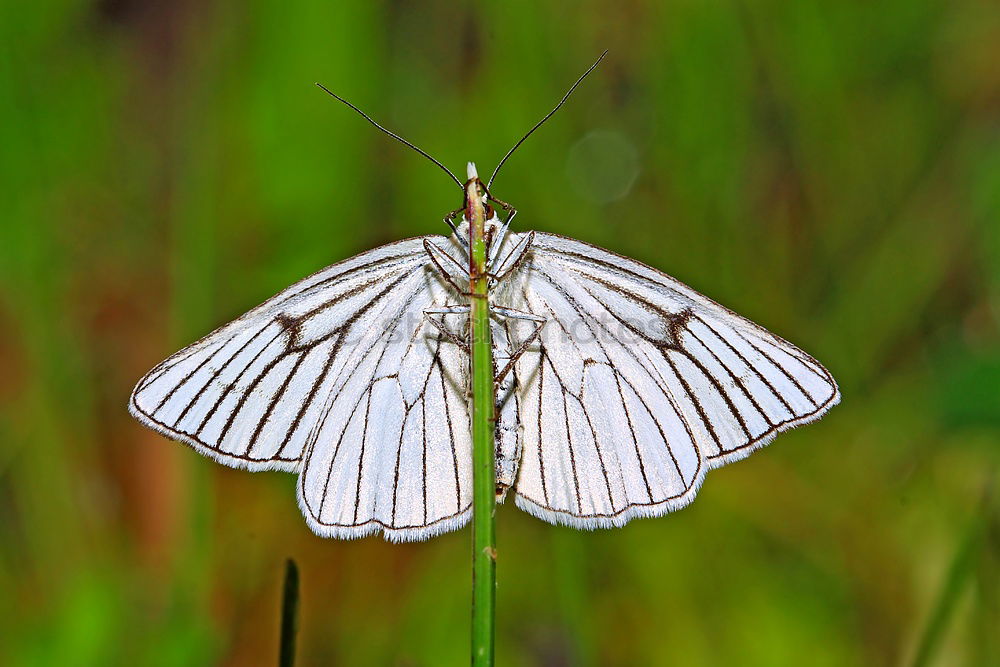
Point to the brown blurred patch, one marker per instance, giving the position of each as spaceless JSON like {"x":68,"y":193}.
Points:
{"x":12,"y":355}
{"x":966,"y":57}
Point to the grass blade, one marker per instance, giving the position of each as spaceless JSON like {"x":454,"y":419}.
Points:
{"x":960,"y":573}
{"x":289,"y":615}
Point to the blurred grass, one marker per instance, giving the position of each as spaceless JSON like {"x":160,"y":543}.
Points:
{"x":960,"y":573}
{"x":829,"y":169}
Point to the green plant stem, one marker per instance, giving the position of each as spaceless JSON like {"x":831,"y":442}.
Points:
{"x":483,"y":466}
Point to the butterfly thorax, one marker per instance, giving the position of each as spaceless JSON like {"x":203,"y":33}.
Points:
{"x":504,"y":252}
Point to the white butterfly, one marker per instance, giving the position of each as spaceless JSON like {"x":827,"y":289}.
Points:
{"x":618,"y":386}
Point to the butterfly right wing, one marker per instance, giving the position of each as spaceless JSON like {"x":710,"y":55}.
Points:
{"x":639,"y":385}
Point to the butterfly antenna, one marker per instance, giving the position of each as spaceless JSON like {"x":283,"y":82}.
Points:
{"x":547,"y":116}
{"x":392,"y":134}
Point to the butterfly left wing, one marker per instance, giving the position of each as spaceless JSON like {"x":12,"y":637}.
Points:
{"x":639,"y":385}
{"x":339,"y":378}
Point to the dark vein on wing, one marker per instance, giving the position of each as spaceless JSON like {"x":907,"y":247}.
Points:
{"x":600,"y":458}
{"x":735,"y":378}
{"x":451,"y":434}
{"x":248,"y":391}
{"x":694,"y":400}
{"x":635,"y":439}
{"x":266,"y":416}
{"x":541,"y":460}
{"x":774,"y":362}
{"x":714,"y":381}
{"x":215,"y":375}
{"x":663,"y":436}
{"x":747,"y":363}
{"x":306,"y":404}
{"x":187,"y":377}
{"x":229,"y":387}
{"x":569,"y":447}
{"x":361,"y":455}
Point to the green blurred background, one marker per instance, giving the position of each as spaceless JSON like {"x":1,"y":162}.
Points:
{"x":831,"y":169}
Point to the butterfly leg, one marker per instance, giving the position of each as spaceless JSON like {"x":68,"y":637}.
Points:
{"x":502,"y":205}
{"x":456,"y":338}
{"x":496,"y":243}
{"x":513,"y":259}
{"x":452,"y":270}
{"x":450,"y":217}
{"x":502,"y":233}
{"x":449,"y":220}
{"x":514,"y":314}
